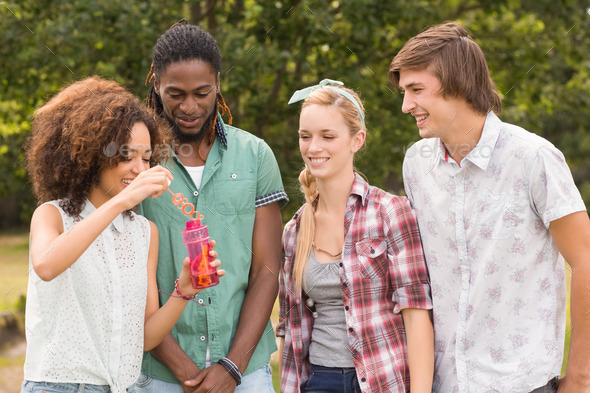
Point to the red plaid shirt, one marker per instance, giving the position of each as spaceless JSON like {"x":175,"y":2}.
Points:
{"x":382,"y":272}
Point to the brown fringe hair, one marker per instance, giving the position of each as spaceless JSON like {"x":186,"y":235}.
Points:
{"x":456,"y":60}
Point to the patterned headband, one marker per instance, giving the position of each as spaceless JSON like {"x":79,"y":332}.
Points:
{"x":304,"y":93}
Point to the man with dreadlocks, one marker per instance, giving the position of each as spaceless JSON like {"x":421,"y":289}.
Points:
{"x":223,"y":342}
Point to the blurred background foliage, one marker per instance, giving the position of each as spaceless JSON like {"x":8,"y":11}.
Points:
{"x":537,"y":52}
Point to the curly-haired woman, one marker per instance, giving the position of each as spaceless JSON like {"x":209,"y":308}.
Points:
{"x":92,"y":302}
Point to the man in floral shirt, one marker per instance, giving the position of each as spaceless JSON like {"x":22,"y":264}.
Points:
{"x":496,"y":205}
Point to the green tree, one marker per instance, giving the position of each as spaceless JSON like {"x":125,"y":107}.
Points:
{"x":48,"y":44}
{"x":536,"y":52}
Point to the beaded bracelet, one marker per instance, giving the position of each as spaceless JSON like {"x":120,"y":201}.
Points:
{"x":180,"y":294}
{"x":232,"y":369}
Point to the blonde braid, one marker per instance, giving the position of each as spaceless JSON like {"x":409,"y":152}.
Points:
{"x":306,"y":230}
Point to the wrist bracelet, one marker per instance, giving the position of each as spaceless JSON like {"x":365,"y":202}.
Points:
{"x":180,"y":294}
{"x":232,"y":369}
{"x":187,"y":298}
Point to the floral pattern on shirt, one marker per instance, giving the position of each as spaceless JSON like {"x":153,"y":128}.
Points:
{"x":497,"y":277}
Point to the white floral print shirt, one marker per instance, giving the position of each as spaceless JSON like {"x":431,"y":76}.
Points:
{"x":498,"y":280}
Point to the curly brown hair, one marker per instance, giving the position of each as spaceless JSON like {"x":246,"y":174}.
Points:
{"x":78,"y":133}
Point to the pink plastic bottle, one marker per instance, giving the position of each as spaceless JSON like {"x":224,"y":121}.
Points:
{"x":196,"y":239}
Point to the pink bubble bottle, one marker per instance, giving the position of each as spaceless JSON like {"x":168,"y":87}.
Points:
{"x":196,"y":239}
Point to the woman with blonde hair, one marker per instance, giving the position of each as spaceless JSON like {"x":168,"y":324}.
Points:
{"x":354,"y":288}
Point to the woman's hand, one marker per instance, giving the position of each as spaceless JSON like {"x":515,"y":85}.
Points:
{"x":184,"y":280}
{"x":151,"y":182}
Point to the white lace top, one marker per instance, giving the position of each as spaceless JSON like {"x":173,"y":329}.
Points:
{"x":86,"y":325}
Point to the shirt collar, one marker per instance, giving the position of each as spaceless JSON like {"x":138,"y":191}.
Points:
{"x":482,"y":152}
{"x":220,"y":131}
{"x":440,"y":154}
{"x":118,"y":223}
{"x":480,"y":155}
{"x":360,"y":187}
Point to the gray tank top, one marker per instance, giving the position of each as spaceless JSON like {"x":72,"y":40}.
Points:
{"x":329,"y":340}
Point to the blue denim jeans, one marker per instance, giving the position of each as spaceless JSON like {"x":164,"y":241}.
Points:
{"x":59,"y":387}
{"x":259,"y":381}
{"x":331,"y":380}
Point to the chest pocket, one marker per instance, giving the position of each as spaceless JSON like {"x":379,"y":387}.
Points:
{"x":497,"y":215}
{"x":235,"y":193}
{"x":372,"y":258}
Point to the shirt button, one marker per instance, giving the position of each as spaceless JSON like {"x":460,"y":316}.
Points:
{"x":347,"y":308}
{"x":363,"y":379}
{"x":203,"y":338}
{"x":196,"y":193}
{"x":351,"y":330}
{"x":340,"y":264}
{"x":233,"y":176}
{"x":200,"y":301}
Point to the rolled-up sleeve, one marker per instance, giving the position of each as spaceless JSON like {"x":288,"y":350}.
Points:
{"x":411,"y":273}
{"x":289,"y":240}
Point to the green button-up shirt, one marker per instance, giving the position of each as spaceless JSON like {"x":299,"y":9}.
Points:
{"x":240,"y":174}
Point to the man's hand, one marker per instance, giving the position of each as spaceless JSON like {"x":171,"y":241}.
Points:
{"x":191,"y":370}
{"x":172,"y":356}
{"x":213,"y":379}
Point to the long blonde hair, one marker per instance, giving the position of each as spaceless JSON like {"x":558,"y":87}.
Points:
{"x":326,"y":96}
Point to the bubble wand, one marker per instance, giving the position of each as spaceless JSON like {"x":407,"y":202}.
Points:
{"x":196,"y":238}
{"x":181,"y":203}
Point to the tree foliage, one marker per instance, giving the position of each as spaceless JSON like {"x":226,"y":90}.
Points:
{"x":536,"y":49}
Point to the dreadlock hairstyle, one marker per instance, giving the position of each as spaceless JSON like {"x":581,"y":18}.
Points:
{"x":184,"y":42}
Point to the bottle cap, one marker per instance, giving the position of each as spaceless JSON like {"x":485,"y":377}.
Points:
{"x":193,"y":224}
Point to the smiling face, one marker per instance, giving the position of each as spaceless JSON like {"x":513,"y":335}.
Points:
{"x":113,"y":180}
{"x":325,"y":142}
{"x":188,"y":91}
{"x":436,"y":116}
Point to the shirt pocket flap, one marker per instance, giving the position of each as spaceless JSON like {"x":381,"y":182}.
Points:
{"x":372,"y":257}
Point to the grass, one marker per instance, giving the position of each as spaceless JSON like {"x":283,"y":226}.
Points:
{"x":14,"y":275}
{"x":14,"y":267}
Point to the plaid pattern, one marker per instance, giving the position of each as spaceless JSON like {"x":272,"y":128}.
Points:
{"x":382,"y":272}
{"x":272,"y":197}
{"x":220,"y":132}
